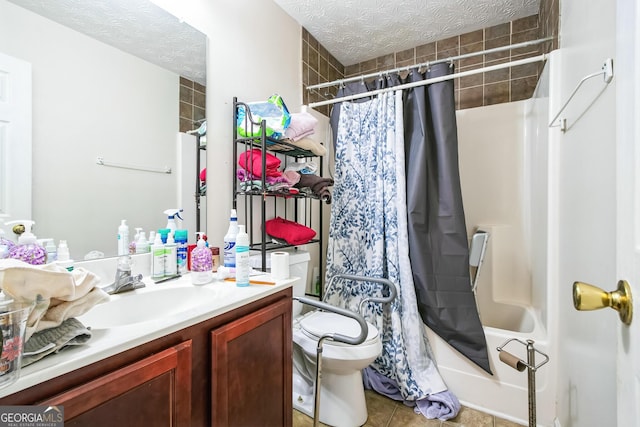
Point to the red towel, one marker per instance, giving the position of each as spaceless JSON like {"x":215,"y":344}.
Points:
{"x":251,"y":160}
{"x":289,"y":231}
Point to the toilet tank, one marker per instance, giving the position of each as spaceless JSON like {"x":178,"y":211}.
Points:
{"x":298,"y":267}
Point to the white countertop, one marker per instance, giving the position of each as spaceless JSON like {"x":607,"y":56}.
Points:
{"x":221,"y":297}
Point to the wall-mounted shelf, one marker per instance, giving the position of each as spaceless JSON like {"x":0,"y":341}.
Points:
{"x":606,"y":72}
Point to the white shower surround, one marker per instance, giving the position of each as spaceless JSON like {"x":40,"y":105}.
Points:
{"x":517,"y":294}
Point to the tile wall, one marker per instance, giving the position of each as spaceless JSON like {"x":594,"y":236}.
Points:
{"x":505,"y":85}
{"x":192,"y":104}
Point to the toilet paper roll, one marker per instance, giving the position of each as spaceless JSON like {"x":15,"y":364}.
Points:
{"x":279,"y":265}
{"x":513,"y":361}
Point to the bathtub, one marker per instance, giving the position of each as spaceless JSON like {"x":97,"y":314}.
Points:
{"x":504,"y":162}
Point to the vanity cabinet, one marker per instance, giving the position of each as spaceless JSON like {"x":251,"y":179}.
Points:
{"x":234,"y":369}
{"x":154,"y":391}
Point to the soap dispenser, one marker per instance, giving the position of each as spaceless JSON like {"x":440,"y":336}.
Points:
{"x":201,"y":262}
{"x":28,"y":249}
{"x":142,"y":244}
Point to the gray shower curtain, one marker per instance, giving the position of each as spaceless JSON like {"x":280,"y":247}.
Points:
{"x":438,"y":244}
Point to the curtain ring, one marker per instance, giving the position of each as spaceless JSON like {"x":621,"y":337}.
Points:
{"x":341,"y":84}
{"x":380,"y":78}
{"x":361,"y":80}
{"x":450,"y":62}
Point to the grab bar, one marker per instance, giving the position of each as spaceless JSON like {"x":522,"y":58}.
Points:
{"x":364,"y":329}
{"x":607,"y":71}
{"x":393,"y":290}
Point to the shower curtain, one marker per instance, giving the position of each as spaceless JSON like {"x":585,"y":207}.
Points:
{"x":397,"y":213}
{"x":368,"y":237}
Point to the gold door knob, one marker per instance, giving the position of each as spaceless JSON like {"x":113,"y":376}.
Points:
{"x":589,"y":297}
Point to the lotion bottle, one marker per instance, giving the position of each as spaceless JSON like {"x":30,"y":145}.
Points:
{"x":243,"y":262}
{"x":229,"y":254}
{"x":157,"y":259}
{"x":201,"y":262}
{"x":123,"y":238}
{"x":170,"y":257}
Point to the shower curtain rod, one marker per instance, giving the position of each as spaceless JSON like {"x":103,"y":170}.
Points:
{"x":538,"y":58}
{"x":428,"y":63}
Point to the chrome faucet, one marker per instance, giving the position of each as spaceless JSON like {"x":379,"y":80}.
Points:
{"x":124,"y":281}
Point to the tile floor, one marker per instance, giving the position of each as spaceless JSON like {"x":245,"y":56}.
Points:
{"x":384,"y":412}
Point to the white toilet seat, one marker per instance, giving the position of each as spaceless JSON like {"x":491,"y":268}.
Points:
{"x":318,"y":323}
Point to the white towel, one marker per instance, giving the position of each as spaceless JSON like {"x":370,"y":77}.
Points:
{"x":58,"y":294}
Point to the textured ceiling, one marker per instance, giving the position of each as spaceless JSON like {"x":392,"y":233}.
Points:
{"x":358,"y":30}
{"x":138,"y":27}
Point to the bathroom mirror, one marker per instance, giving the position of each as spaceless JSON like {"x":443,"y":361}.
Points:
{"x":106,"y":78}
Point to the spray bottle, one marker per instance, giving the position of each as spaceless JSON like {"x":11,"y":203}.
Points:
{"x":171,"y":221}
{"x":229,"y":255}
{"x":201,"y":262}
{"x":28,"y":249}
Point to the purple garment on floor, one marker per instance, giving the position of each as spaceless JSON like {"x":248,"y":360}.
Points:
{"x":443,"y":406}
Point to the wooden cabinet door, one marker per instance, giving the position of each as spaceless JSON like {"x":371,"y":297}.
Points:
{"x":251,"y":369}
{"x":156,"y":391}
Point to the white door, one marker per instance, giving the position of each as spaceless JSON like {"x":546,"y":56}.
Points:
{"x":628,"y":206}
{"x":15,"y":139}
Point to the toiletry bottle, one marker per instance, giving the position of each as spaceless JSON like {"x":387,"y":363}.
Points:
{"x":171,"y":221}
{"x":201,"y":263}
{"x":134,"y":241}
{"x":63,"y":256}
{"x":181,"y":237}
{"x":229,"y":255}
{"x":123,"y":238}
{"x":50,"y":247}
{"x":142,"y":245}
{"x":170,"y":257}
{"x":28,"y":249}
{"x":243,"y":263}
{"x":6,"y":242}
{"x":157,"y":258}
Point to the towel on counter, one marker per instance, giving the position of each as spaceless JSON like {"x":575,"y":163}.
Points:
{"x":58,"y":294}
{"x":70,"y":333}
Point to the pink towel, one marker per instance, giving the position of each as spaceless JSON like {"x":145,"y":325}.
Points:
{"x":301,"y":125}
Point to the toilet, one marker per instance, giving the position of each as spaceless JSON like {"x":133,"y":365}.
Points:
{"x":342,"y":399}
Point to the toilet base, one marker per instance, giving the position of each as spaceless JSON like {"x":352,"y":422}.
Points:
{"x":342,"y":400}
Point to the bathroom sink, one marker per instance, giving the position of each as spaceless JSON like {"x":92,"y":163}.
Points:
{"x":150,"y":304}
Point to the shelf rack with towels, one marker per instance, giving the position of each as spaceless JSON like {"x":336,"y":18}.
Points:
{"x":606,"y":71}
{"x":102,"y":162}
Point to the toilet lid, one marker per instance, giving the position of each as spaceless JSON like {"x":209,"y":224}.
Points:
{"x":319,"y":323}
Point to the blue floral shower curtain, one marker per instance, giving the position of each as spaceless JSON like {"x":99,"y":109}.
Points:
{"x":368,"y":237}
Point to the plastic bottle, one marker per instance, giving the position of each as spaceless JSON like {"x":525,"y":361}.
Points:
{"x":229,"y":255}
{"x":181,"y":237}
{"x":157,"y":259}
{"x":50,"y":247}
{"x":171,"y":221}
{"x":63,"y":256}
{"x":201,"y":262}
{"x":6,"y":242}
{"x":243,"y":262}
{"x":28,"y":249}
{"x":142,"y":245}
{"x":132,"y":243}
{"x":4,"y":251}
{"x":123,"y":238}
{"x":170,"y":257}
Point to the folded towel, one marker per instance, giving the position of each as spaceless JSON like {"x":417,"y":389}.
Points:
{"x":310,"y":145}
{"x":251,"y":160}
{"x":24,"y":281}
{"x":58,"y":294}
{"x":70,"y":333}
{"x":300,"y":125}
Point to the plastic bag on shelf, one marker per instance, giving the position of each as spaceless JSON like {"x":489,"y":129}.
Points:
{"x":273,"y":111}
